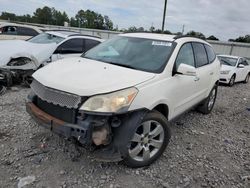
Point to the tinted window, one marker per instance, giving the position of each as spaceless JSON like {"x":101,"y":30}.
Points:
{"x":245,"y":63}
{"x":71,"y":46}
{"x":9,"y":30}
{"x":135,"y":53}
{"x":90,"y":44}
{"x":185,"y":56}
{"x":210,"y":53}
{"x":200,"y":54}
{"x":26,"y":31}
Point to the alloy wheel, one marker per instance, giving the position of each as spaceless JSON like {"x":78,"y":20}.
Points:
{"x":147,"y":141}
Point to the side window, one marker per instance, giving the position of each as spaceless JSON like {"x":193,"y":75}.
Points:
{"x":240,"y":61}
{"x":26,"y":31}
{"x":200,"y":54}
{"x":185,"y":56}
{"x":245,"y":62}
{"x":71,"y":46}
{"x":9,"y":30}
{"x":210,"y":53}
{"x":90,"y":44}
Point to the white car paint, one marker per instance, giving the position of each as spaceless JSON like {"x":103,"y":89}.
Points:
{"x":16,"y":36}
{"x":11,"y":49}
{"x":38,"y":53}
{"x":241,"y":73}
{"x":81,"y":67}
{"x":179,"y":92}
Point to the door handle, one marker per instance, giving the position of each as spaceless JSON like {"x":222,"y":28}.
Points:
{"x":211,"y":73}
{"x":196,"y":79}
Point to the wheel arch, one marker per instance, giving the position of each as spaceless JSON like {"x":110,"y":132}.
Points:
{"x":163,"y":109}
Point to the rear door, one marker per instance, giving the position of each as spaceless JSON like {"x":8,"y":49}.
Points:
{"x":204,"y":69}
{"x":240,"y":72}
{"x":70,"y":48}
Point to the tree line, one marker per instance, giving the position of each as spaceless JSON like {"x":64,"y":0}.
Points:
{"x":51,"y":16}
{"x":93,"y":20}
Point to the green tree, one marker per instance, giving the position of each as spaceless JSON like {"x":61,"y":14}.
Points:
{"x":43,"y":15}
{"x":108,"y":24}
{"x":8,"y":16}
{"x":196,"y":34}
{"x":212,"y":37}
{"x":243,"y":39}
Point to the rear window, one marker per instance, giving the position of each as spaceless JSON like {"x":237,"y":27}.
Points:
{"x":210,"y":53}
{"x":200,"y":54}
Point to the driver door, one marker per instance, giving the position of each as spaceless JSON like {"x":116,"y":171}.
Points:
{"x":185,"y":89}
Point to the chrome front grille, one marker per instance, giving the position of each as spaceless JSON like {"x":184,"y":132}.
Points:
{"x":55,"y":97}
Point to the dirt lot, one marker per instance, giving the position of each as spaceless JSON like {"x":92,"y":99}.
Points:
{"x":205,"y":151}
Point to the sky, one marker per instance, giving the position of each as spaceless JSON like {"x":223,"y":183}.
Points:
{"x":223,"y":18}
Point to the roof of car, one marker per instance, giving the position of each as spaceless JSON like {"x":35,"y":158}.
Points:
{"x":231,"y":56}
{"x":3,"y":24}
{"x":165,"y":37}
{"x":155,"y":36}
{"x":66,"y":34}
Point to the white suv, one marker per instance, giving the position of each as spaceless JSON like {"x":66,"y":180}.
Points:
{"x":121,"y":95}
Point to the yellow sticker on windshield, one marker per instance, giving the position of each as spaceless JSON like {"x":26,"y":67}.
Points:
{"x":161,"y":43}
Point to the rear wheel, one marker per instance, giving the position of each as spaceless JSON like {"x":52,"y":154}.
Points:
{"x":207,"y":106}
{"x":247,"y":78}
{"x":148,"y":140}
{"x":232,"y":81}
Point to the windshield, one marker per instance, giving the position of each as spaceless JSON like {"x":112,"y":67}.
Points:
{"x":228,"y":61}
{"x":135,"y":53}
{"x":46,"y":38}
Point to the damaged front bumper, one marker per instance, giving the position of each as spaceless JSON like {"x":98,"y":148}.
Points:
{"x":10,"y":76}
{"x":106,"y":133}
{"x":81,"y":133}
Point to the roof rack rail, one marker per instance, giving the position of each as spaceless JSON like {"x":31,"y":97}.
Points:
{"x":184,"y":36}
{"x":84,"y":35}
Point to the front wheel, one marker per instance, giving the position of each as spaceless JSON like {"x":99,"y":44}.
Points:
{"x":148,"y":140}
{"x":232,"y":81}
{"x":207,"y":106}
{"x":247,"y":78}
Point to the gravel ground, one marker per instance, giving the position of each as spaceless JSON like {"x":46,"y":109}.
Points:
{"x":205,"y":151}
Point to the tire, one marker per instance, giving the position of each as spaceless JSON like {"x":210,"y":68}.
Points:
{"x":232,"y":81}
{"x":247,"y":78}
{"x":148,"y":140}
{"x":207,"y":106}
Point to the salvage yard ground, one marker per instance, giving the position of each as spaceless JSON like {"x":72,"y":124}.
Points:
{"x":205,"y":151}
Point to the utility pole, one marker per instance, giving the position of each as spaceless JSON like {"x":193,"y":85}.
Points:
{"x":183,"y":29}
{"x":164,"y":16}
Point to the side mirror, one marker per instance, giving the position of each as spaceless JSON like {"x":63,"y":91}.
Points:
{"x":241,"y":66}
{"x":186,"y":70}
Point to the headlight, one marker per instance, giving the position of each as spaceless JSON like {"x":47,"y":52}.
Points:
{"x":116,"y":102}
{"x":19,"y":62}
{"x":225,"y":72}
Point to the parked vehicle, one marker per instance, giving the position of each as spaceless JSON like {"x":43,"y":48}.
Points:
{"x":234,"y":69}
{"x":12,"y":31}
{"x":19,"y":59}
{"x":121,"y":95}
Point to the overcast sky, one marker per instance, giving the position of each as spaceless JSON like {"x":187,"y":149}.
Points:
{"x":223,"y":18}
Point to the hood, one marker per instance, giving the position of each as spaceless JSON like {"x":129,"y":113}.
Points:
{"x":86,"y":77}
{"x":10,"y":49}
{"x":226,"y":67}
